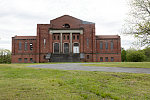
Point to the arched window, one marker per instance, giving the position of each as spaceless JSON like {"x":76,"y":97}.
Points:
{"x":64,"y":37}
{"x":77,"y":37}
{"x":58,"y":37}
{"x":66,"y":26}
{"x":68,"y":37}
{"x":76,"y":44}
{"x":54,"y":38}
{"x":74,"y":37}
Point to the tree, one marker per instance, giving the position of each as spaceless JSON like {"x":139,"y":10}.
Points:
{"x":135,"y":56}
{"x":147,"y":53}
{"x":139,"y":23}
{"x":5,"y":56}
{"x":123,"y":55}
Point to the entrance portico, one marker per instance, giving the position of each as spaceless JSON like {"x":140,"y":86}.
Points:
{"x":67,"y":46}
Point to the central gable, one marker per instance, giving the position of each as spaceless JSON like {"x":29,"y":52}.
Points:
{"x":66,"y":21}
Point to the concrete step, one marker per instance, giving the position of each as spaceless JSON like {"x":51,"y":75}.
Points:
{"x":65,"y":58}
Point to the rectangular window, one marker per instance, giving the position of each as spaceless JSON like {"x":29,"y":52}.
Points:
{"x":31,"y":59}
{"x":25,"y":60}
{"x":19,"y":59}
{"x":101,"y":59}
{"x":88,"y":56}
{"x":101,"y":45}
{"x":106,"y":59}
{"x":112,"y":45}
{"x":44,"y":42}
{"x":31,"y":46}
{"x":106,"y":45}
{"x":20,"y":45}
{"x":25,"y":46}
{"x":87,"y":40}
{"x":112,"y":59}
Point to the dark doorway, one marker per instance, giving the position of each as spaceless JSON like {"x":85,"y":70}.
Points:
{"x":66,"y":47}
{"x":56,"y":47}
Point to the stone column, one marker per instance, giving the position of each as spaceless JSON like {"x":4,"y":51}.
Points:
{"x":70,"y":42}
{"x":61,"y":42}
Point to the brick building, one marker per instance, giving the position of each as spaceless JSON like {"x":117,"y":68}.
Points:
{"x":66,"y":39}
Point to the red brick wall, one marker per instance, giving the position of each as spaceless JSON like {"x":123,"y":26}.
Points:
{"x":23,"y":56}
{"x":60,"y":21}
{"x":43,"y":33}
{"x":91,"y":49}
{"x":22,"y":53}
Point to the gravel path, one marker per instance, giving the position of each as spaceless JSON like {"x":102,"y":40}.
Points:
{"x":77,"y":66}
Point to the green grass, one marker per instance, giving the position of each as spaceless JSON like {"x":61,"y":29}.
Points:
{"x":18,"y":82}
{"x":121,"y":64}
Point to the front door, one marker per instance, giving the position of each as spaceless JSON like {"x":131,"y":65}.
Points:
{"x":66,"y":47}
{"x":56,"y":47}
{"x":76,"y":48}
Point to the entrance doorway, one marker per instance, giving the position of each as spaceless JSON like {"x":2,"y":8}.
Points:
{"x":76,"y":48}
{"x":56,"y":47}
{"x":66,"y":47}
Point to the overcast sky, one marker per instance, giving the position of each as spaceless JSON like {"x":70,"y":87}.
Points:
{"x":20,"y":17}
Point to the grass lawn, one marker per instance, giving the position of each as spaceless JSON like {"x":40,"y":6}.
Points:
{"x":121,"y":64}
{"x":18,"y":82}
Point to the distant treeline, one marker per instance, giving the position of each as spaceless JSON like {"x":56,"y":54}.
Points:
{"x":133,"y":55}
{"x":5,"y":56}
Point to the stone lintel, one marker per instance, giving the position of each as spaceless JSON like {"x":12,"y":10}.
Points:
{"x":66,"y":31}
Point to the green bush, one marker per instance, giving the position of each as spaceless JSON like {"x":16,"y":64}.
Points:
{"x":135,"y":56}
